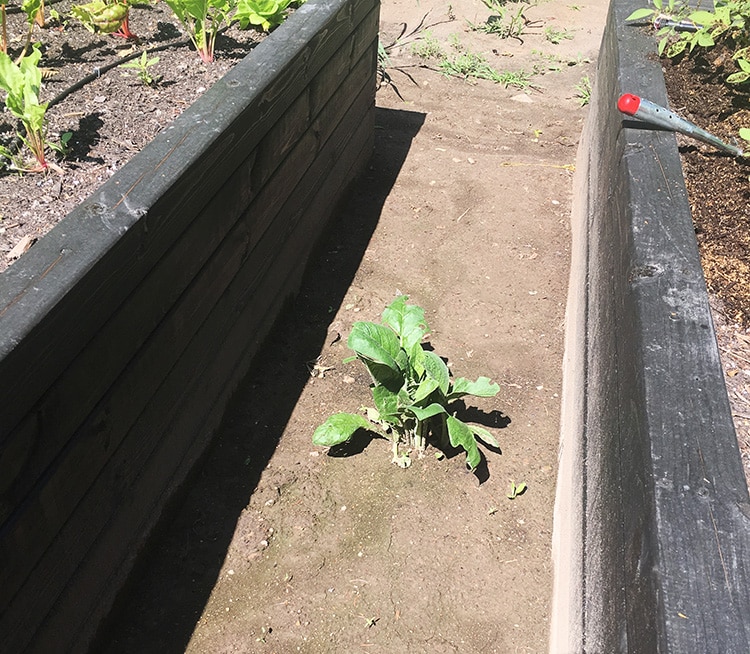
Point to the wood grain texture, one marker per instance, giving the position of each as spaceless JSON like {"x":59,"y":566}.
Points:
{"x":118,"y":357}
{"x":662,"y":519}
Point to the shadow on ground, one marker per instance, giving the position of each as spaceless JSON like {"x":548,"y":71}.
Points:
{"x":159,"y":609}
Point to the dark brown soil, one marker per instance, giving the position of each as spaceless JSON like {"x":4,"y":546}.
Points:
{"x":111,"y":116}
{"x":719,"y":190}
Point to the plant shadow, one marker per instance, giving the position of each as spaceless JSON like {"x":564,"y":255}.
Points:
{"x":165,"y":596}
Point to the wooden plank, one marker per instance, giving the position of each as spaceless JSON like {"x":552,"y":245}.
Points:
{"x":50,"y":572}
{"x":72,"y":398}
{"x":37,"y":342}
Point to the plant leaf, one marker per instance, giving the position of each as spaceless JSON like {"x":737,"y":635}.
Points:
{"x":485,"y":436}
{"x":460,"y":435}
{"x":482,"y":387}
{"x":428,"y":411}
{"x":375,"y":342}
{"x":407,"y":320}
{"x":745,"y":133}
{"x":437,"y":370}
{"x":386,"y":402}
{"x":339,"y":428}
{"x":425,"y":389}
{"x":638,"y":14}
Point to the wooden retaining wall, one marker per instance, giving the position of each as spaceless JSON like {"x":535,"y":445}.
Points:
{"x":124,"y":331}
{"x":652,"y":524}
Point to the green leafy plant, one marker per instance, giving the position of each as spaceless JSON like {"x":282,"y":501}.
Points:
{"x":202,"y":20}
{"x":556,"y":36}
{"x":22,"y":83}
{"x":142,"y":65}
{"x":264,"y":14}
{"x":411,"y":388}
{"x":516,"y":490}
{"x":583,"y":91}
{"x":469,"y":65}
{"x":742,"y":57}
{"x":745,"y":134}
{"x":105,"y":17}
{"x":505,"y":23}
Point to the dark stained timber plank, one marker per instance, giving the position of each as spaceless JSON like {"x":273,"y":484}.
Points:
{"x":113,"y":486}
{"x":95,"y":443}
{"x":137,"y":219}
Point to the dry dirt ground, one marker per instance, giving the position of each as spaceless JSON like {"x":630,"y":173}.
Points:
{"x":281,"y":547}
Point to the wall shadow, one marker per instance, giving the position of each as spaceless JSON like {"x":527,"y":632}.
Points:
{"x":158,"y":609}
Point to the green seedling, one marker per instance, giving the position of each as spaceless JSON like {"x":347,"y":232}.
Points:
{"x":142,"y":65}
{"x":428,"y":47}
{"x":202,"y":20}
{"x":263,"y":14}
{"x":469,"y":65}
{"x":557,"y":36}
{"x":516,"y":490}
{"x":22,"y":84}
{"x":583,"y":91}
{"x":742,"y":57}
{"x":411,"y":388}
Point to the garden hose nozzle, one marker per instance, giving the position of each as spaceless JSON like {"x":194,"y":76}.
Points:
{"x":650,"y":112}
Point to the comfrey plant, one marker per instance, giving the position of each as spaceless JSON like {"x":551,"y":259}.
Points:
{"x":411,"y":388}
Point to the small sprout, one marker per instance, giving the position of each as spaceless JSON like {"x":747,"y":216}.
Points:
{"x":516,"y":490}
{"x":492,"y":511}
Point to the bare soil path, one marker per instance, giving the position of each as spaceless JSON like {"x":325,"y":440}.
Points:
{"x":279,"y":547}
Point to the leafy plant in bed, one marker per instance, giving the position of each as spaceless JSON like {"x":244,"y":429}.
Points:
{"x":411,"y":388}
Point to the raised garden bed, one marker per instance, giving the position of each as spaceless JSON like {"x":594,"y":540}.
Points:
{"x":653,"y":537}
{"x":124,"y":330}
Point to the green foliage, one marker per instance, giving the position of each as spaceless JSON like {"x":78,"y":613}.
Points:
{"x":470,"y":65}
{"x":555,"y":36}
{"x":202,"y":20}
{"x":516,"y":490}
{"x":583,"y":91}
{"x":411,"y":388}
{"x":142,"y":65}
{"x":506,"y":22}
{"x":264,"y":14}
{"x":22,"y":83}
{"x":100,"y":16}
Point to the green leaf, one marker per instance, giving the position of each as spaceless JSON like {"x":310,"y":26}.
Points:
{"x":745,"y":133}
{"x":705,"y":40}
{"x":738,"y":78}
{"x":437,"y":370}
{"x":407,"y":320}
{"x":703,"y":17}
{"x":482,"y":387}
{"x":482,"y":434}
{"x":460,"y":435}
{"x":640,"y":14}
{"x":375,"y":342}
{"x":426,"y":387}
{"x":339,"y":428}
{"x":427,"y":412}
{"x":386,"y":402}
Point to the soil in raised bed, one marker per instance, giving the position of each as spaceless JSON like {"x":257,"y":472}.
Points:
{"x":111,"y":116}
{"x":718,"y":187}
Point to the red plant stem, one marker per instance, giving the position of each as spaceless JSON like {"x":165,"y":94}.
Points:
{"x":5,"y":32}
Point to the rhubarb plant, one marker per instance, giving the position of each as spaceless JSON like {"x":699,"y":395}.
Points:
{"x":202,"y":20}
{"x":411,"y":388}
